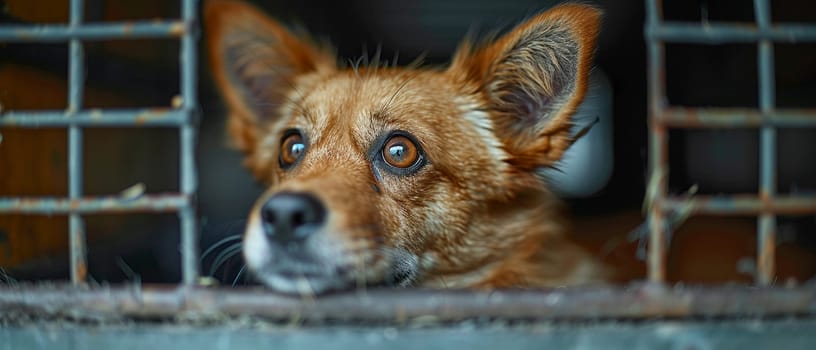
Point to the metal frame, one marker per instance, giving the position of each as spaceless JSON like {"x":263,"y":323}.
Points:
{"x":646,"y":301}
{"x":767,"y":204}
{"x":75,"y":118}
{"x":394,"y":306}
{"x":471,"y":335}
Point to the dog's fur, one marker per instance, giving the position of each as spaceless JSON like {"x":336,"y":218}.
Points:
{"x":470,"y":213}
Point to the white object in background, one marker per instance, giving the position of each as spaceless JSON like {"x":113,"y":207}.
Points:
{"x":587,"y":165}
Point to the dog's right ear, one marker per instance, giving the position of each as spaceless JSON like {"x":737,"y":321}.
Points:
{"x":533,"y":79}
{"x":255,"y":61}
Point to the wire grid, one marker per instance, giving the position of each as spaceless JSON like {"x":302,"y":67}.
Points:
{"x":637,"y":301}
{"x":767,"y":204}
{"x":75,"y":118}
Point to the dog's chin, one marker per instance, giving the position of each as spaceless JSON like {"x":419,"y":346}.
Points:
{"x":293,"y":277}
{"x":309,"y":282}
{"x":302,"y":285}
{"x":324,"y":268}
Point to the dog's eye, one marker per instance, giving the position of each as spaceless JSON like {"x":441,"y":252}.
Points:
{"x":292,"y":148}
{"x":400,"y":152}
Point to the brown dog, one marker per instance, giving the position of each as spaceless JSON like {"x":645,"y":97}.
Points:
{"x":405,"y":176}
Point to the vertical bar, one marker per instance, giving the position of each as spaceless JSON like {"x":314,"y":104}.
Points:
{"x":658,"y":150}
{"x":187,"y":138}
{"x":766,"y":227}
{"x":76,"y":76}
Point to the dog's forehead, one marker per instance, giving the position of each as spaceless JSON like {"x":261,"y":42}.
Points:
{"x":362,"y":105}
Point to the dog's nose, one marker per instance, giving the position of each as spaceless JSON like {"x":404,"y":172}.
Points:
{"x":290,"y":217}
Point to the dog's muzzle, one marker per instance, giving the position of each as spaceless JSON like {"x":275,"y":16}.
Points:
{"x":287,"y":246}
{"x":290,"y":247}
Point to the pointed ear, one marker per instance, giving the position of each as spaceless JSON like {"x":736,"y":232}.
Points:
{"x":532,"y":79}
{"x":255,"y":61}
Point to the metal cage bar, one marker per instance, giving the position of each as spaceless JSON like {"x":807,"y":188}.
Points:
{"x":187,"y":136}
{"x":766,"y":227}
{"x":153,"y":117}
{"x":742,"y":204}
{"x":76,"y":75}
{"x":402,"y":305}
{"x":766,"y":205}
{"x":74,"y":118}
{"x":658,"y":146}
{"x":719,"y":33}
{"x":95,"y":205}
{"x":94,"y":31}
{"x":683,"y":117}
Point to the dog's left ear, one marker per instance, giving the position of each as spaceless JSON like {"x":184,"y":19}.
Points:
{"x":255,"y":61}
{"x":533,"y":79}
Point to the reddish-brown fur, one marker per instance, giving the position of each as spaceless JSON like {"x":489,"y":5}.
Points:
{"x":475,"y":215}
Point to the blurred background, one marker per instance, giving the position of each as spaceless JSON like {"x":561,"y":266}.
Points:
{"x":144,"y":73}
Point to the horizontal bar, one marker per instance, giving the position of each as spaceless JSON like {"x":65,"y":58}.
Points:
{"x":155,"y":117}
{"x":688,"y":117}
{"x":400,"y":305}
{"x":743,"y":205}
{"x":93,"y":31}
{"x":718,"y":33}
{"x":788,"y":334}
{"x":93,"y":205}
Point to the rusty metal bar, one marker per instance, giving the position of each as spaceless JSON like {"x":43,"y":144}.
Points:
{"x":93,"y":205}
{"x":766,"y":227}
{"x":187,"y":135}
{"x":155,"y":29}
{"x":719,"y":33}
{"x":75,"y":119}
{"x":744,"y":204}
{"x":401,"y":305}
{"x":682,"y":117}
{"x":766,"y":205}
{"x":657,"y":187}
{"x":152,"y":117}
{"x":76,"y":77}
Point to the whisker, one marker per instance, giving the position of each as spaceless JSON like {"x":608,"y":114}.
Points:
{"x":239,"y":275}
{"x":225,"y":255}
{"x":215,"y":246}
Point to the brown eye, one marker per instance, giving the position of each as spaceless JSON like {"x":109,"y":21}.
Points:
{"x":400,"y":152}
{"x":292,"y":148}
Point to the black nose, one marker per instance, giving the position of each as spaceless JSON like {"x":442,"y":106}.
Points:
{"x":290,"y":217}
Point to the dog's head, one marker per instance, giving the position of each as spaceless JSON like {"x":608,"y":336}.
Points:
{"x":383,"y":175}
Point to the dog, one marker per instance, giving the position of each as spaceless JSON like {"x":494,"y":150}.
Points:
{"x":405,"y":176}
